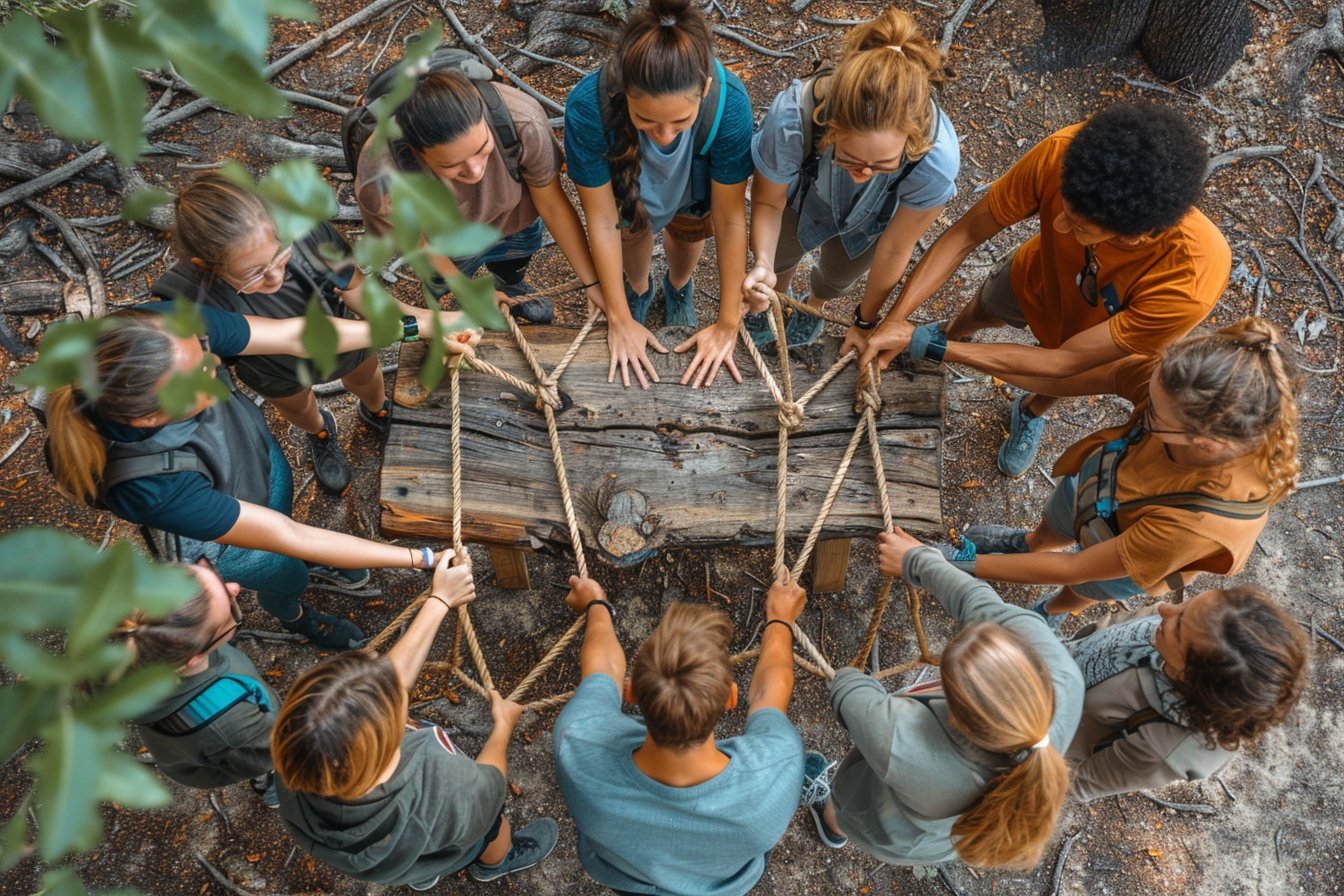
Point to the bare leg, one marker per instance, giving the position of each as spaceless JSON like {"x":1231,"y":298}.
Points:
{"x":365,"y":382}
{"x":828,"y":816}
{"x":1045,"y":538}
{"x":498,"y":849}
{"x":636,"y":256}
{"x":301,"y":411}
{"x":682,"y":258}
{"x":1068,"y":601}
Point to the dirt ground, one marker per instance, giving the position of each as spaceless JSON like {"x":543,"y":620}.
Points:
{"x":1271,"y":826}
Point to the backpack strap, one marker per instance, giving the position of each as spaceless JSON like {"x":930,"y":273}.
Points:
{"x":1198,"y":502}
{"x":211,"y":702}
{"x":505,"y":131}
{"x":124,"y":469}
{"x":706,"y":129}
{"x":807,"y":171}
{"x":182,"y":282}
{"x":1131,"y":726}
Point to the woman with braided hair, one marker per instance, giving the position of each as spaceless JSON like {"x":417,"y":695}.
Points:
{"x":1183,"y":487}
{"x":1174,"y":691}
{"x":858,"y":162}
{"x":660,"y":140}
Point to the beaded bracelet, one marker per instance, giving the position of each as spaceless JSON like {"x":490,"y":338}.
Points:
{"x":783,"y":622}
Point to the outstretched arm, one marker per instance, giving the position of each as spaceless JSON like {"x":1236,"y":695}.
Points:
{"x":453,"y":587}
{"x":890,"y":259}
{"x":263,"y":529}
{"x":601,"y":652}
{"x":558,"y":214}
{"x":714,"y":344}
{"x":772,"y":683}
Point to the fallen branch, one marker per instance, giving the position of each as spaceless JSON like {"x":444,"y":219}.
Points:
{"x":93,"y":274}
{"x":306,"y":49}
{"x":18,"y":443}
{"x":950,"y":29}
{"x":1315,"y":483}
{"x":1241,"y":154}
{"x":258,"y":635}
{"x":1317,"y":632}
{"x":1063,"y":857}
{"x":1195,"y":808}
{"x":537,"y":57}
{"x":222,"y":879}
{"x":277,"y":147}
{"x":480,"y":49}
{"x":725,"y":31}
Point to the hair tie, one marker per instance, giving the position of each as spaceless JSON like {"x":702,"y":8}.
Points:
{"x":1042,"y":743}
{"x":897,"y":48}
{"x":667,"y":21}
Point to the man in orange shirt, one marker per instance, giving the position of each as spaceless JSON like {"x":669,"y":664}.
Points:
{"x":1126,"y":266}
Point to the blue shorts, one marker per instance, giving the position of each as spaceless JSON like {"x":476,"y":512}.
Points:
{"x":1059,"y":516}
{"x":523,"y":244}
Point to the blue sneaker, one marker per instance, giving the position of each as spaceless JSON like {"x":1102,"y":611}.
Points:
{"x":758,"y":327}
{"x":530,"y":845}
{"x":679,"y":304}
{"x":1054,"y":620}
{"x":1024,"y":438}
{"x":639,"y":302}
{"x":802,"y":328}
{"x":997,"y":539}
{"x":816,"y":791}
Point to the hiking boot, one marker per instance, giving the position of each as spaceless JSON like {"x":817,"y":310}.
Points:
{"x":347,"y":579}
{"x":530,"y":845}
{"x":639,"y":302}
{"x":325,"y":631}
{"x":816,"y":791}
{"x":380,"y":421}
{"x":1024,"y":437}
{"x":803,"y":328}
{"x":329,"y":464}
{"x":758,"y":327}
{"x":993,"y":539}
{"x":534,"y":311}
{"x":264,"y":787}
{"x":429,"y":885}
{"x":679,"y":304}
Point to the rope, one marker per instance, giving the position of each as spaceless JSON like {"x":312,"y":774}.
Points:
{"x":836,"y":481}
{"x":465,"y":625}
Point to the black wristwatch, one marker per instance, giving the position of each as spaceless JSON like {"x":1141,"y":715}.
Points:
{"x":410,"y":329}
{"x":860,"y":322}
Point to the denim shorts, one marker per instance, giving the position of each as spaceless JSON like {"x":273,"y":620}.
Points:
{"x":1059,"y":516}
{"x":523,"y":244}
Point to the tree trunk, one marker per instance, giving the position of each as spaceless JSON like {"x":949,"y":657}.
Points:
{"x":1195,"y":41}
{"x":1081,"y":32}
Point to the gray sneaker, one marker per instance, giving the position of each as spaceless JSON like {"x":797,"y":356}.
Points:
{"x":264,"y":787}
{"x":816,"y":791}
{"x":347,"y":579}
{"x":993,"y":539}
{"x":758,"y":328}
{"x":330,"y":467}
{"x":530,"y":845}
{"x":1024,"y":437}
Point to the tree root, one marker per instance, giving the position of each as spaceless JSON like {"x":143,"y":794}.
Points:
{"x":1296,"y":59}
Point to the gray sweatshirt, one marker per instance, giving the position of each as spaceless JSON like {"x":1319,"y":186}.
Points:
{"x":910,"y":774}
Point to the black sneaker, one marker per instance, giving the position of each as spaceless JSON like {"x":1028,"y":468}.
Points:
{"x":534,"y":311}
{"x":349,"y":579}
{"x":530,"y":845}
{"x":329,"y":464}
{"x":324,"y":630}
{"x":380,"y":421}
{"x":264,"y":787}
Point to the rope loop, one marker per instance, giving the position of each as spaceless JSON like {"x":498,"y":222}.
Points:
{"x":790,"y":415}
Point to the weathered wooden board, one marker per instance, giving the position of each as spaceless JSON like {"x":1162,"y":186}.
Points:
{"x":702,"y":461}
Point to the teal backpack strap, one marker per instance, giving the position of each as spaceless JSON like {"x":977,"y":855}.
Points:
{"x":215,"y":699}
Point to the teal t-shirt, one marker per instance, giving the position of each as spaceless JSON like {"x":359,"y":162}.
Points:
{"x":641,"y":836}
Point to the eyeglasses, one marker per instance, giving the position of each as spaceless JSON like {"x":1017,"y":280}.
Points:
{"x":1087,"y":277}
{"x":278,"y":262}
{"x":1152,"y":430}
{"x":235,"y":611}
{"x":868,"y":168}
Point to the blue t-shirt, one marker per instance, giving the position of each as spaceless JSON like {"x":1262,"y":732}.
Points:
{"x":641,"y":836}
{"x":664,"y":183}
{"x":183,"y":503}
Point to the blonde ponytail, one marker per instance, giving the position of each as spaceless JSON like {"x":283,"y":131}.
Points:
{"x":77,"y":453}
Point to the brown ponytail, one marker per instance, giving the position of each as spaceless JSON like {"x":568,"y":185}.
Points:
{"x":213,"y":216}
{"x":666,"y":47}
{"x":882,"y":83}
{"x":1240,"y":383}
{"x":130,"y":357}
{"x":173,"y":639}
{"x":999,"y":694}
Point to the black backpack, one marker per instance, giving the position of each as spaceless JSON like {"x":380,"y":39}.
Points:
{"x":707,"y":123}
{"x":812,"y":134}
{"x":358,"y":124}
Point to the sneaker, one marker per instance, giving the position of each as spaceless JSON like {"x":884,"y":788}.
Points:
{"x":679,"y":304}
{"x":329,"y":464}
{"x":816,"y":791}
{"x":348,"y":579}
{"x":639,"y":302}
{"x":758,"y":327}
{"x":380,"y":421}
{"x":429,"y":885}
{"x":264,"y":787}
{"x":1054,"y":620}
{"x":997,"y":539}
{"x":802,"y":328}
{"x":1024,"y":437}
{"x":530,"y":845}
{"x":323,"y":630}
{"x":534,"y":311}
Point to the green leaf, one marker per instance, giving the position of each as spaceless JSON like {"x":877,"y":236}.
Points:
{"x":319,"y":337}
{"x":53,"y":81}
{"x":67,"y":772}
{"x":182,"y":391}
{"x":185,"y":320}
{"x":66,"y":357}
{"x":431,"y":368}
{"x":121,"y":570}
{"x":43,"y":668}
{"x":14,"y":837}
{"x":421,"y":206}
{"x":42,"y":570}
{"x":415,"y":60}
{"x":476,"y":298}
{"x":382,"y":313}
{"x":128,"y":783}
{"x":299,"y":198}
{"x":139,"y":204}
{"x":111,"y":52}
{"x":61,"y":882}
{"x":24,"y":709}
{"x":128,"y":698}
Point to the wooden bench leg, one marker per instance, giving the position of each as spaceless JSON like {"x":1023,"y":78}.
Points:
{"x":510,"y":568}
{"x":830,"y":562}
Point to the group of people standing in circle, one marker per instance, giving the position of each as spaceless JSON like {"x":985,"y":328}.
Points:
{"x":854,"y":162}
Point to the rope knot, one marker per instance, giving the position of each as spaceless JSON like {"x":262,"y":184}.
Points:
{"x":790,"y":415}
{"x":868,"y":399}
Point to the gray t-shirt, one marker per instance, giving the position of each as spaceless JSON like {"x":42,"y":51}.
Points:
{"x":662,"y":168}
{"x":641,"y":836}
{"x":429,"y":819}
{"x":233,"y":747}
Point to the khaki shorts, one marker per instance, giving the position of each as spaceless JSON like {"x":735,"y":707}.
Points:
{"x":997,"y":296}
{"x":689,"y":228}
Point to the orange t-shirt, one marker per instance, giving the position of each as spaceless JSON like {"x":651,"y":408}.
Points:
{"x":1155,"y":541}
{"x":1167,"y":284}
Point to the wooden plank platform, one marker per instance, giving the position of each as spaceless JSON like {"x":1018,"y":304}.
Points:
{"x":671,"y":467}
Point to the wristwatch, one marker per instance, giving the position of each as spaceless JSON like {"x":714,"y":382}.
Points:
{"x":410,"y":329}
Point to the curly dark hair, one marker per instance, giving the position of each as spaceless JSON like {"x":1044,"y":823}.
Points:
{"x":1134,"y":169}
{"x":1251,"y":672}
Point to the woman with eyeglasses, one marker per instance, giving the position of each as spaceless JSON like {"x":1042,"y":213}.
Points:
{"x":858,"y":161}
{"x":230,"y":258}
{"x":1183,"y":487}
{"x":214,"y":728}
{"x":211,"y":478}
